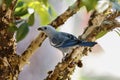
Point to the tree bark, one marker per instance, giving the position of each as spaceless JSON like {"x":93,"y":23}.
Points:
{"x":9,"y":60}
{"x":11,"y":63}
{"x":98,"y":23}
{"x":42,"y":36}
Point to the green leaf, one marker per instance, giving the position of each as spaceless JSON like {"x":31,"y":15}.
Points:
{"x":18,"y":21}
{"x":8,"y":2}
{"x":31,"y":19}
{"x":42,"y":11}
{"x":50,"y":11}
{"x":90,"y":4}
{"x":19,"y":4}
{"x":102,"y":33}
{"x":22,"y":32}
{"x":44,"y":1}
{"x":12,"y":27}
{"x":21,"y":11}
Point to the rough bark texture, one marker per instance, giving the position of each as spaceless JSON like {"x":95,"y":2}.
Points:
{"x":42,"y":36}
{"x":31,"y":49}
{"x":64,"y":69}
{"x":97,"y":23}
{"x":67,"y":14}
{"x":11,"y":63}
{"x":9,"y":60}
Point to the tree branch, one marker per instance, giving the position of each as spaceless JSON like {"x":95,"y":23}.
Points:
{"x":8,"y":17}
{"x":97,"y":23}
{"x":64,"y":69}
{"x":9,"y":60}
{"x":109,"y":23}
{"x":31,"y":49}
{"x":67,"y":14}
{"x":41,"y":37}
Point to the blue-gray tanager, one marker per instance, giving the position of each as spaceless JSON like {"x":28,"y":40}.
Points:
{"x":63,"y":41}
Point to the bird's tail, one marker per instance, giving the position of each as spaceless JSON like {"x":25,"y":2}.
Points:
{"x":87,"y":44}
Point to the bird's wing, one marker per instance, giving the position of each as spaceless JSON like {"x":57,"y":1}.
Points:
{"x":67,"y":40}
{"x":64,"y":40}
{"x":55,"y":41}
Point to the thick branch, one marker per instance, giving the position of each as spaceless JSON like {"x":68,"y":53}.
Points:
{"x":67,"y":14}
{"x":31,"y":49}
{"x":64,"y":69}
{"x":9,"y":60}
{"x":41,"y":37}
{"x":8,"y":12}
{"x":99,"y":24}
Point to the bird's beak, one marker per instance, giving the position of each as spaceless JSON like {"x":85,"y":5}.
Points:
{"x":40,"y":29}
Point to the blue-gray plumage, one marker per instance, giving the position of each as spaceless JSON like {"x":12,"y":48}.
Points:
{"x":63,"y":41}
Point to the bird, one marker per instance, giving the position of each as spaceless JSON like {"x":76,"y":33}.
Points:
{"x":62,"y":40}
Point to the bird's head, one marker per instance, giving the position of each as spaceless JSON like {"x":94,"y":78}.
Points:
{"x":47,"y":29}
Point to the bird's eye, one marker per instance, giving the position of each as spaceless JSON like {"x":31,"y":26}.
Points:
{"x":45,"y":28}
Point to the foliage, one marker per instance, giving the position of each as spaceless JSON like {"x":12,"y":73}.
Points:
{"x":8,"y":2}
{"x":25,"y":12}
{"x":90,"y":5}
{"x":31,"y":19}
{"x":22,"y":31}
{"x":46,"y":13}
{"x":12,"y":27}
